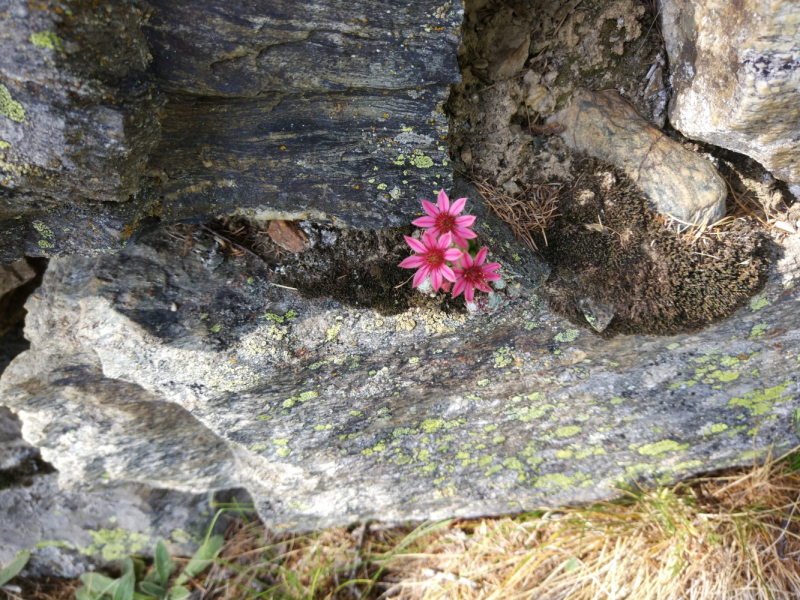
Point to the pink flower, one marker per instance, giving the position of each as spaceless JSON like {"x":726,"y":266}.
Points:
{"x":444,"y":219}
{"x":432,"y":254}
{"x":474,"y":275}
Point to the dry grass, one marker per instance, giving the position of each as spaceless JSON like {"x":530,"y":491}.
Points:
{"x":735,"y":534}
{"x":528,"y":212}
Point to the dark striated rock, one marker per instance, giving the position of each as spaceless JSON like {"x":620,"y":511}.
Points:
{"x":273,"y":110}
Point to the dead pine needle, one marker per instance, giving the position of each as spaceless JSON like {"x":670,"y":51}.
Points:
{"x":528,"y":212}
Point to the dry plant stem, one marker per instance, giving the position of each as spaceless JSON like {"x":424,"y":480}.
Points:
{"x":235,"y":245}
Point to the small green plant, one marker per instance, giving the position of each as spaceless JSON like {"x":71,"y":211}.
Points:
{"x":134,"y":584}
{"x":14,"y":568}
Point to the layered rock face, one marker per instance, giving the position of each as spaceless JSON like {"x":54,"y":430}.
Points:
{"x":118,"y":115}
{"x":736,"y":75}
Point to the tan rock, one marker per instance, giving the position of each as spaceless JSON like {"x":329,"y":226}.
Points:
{"x":736,"y":75}
{"x":675,"y":180}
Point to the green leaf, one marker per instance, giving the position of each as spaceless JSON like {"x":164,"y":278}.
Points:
{"x":14,"y":568}
{"x":99,"y":585}
{"x":124,"y":590}
{"x":153,"y":589}
{"x":83,"y":594}
{"x":162,"y":563}
{"x":201,"y":559}
{"x":178,"y":592}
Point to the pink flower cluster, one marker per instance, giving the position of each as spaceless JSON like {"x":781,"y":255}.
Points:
{"x":445,"y":241}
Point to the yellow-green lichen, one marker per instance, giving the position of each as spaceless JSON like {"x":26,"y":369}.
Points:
{"x":569,"y":335}
{"x":258,"y":448}
{"x":718,"y":427}
{"x":759,"y":403}
{"x":115,"y":544}
{"x":421,"y":161}
{"x":304,"y":397}
{"x":757,"y":303}
{"x":10,"y":107}
{"x":47,"y":39}
{"x":758,"y":330}
{"x":333,"y":332}
{"x":289,"y":316}
{"x":567,"y":431}
{"x":483,"y":382}
{"x":4,"y":145}
{"x":662,"y":447}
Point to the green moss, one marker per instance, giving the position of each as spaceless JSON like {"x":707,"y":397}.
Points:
{"x":47,"y":39}
{"x":10,"y":107}
{"x":662,"y":447}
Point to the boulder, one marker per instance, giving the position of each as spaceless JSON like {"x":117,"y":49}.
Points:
{"x":115,"y":118}
{"x":151,"y":367}
{"x":736,"y":75}
{"x":676,"y":181}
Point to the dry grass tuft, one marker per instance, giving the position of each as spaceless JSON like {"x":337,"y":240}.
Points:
{"x":735,"y":534}
{"x":528,"y":212}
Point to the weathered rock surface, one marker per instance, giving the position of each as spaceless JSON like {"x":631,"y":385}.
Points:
{"x":328,"y":414}
{"x":736,"y":76}
{"x":293,"y":109}
{"x":71,"y":532}
{"x":16,"y":282}
{"x":675,"y":180}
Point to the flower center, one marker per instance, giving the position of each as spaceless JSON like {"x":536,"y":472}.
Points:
{"x":446,"y":222}
{"x":474,"y":275}
{"x":435,"y":258}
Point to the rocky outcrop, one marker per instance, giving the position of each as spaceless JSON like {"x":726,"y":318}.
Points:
{"x":736,"y":76}
{"x":148,"y":367}
{"x":119,"y":116}
{"x":676,"y":181}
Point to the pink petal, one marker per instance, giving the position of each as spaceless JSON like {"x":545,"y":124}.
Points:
{"x":465,"y":221}
{"x":452,"y":254}
{"x":483,"y":287}
{"x":420,"y":276}
{"x":465,"y":233}
{"x":412,"y":262}
{"x":424,"y":222}
{"x":492,"y":276}
{"x":447,"y":273}
{"x":436,"y":280}
{"x":469,"y":293}
{"x":429,"y":240}
{"x":490,"y":267}
{"x":458,"y":272}
{"x":443,"y":202}
{"x":416,"y":245}
{"x":458,"y":206}
{"x":446,"y":286}
{"x":444,"y":241}
{"x":458,"y":287}
{"x":481,"y":256}
{"x":466,"y":259}
{"x":430,"y":208}
{"x":459,"y":241}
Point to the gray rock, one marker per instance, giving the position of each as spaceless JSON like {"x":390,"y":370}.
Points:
{"x":70,"y":532}
{"x":283,"y":110}
{"x":329,"y":415}
{"x":675,"y":180}
{"x":736,"y":77}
